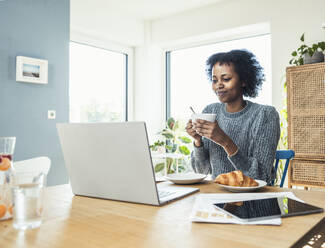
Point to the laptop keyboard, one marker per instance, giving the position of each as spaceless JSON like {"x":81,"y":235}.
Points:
{"x":164,"y":193}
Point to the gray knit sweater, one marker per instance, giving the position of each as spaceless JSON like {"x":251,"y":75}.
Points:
{"x":256,"y":132}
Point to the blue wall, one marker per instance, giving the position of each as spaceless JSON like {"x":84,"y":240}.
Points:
{"x":38,"y":29}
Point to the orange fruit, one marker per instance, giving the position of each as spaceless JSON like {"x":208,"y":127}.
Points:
{"x":5,"y":164}
{"x":3,"y":210}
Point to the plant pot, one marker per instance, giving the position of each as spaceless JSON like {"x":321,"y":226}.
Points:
{"x":316,"y":58}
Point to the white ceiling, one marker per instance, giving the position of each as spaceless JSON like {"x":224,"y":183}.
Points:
{"x":151,"y":9}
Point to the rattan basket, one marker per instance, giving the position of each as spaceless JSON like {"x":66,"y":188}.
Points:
{"x":306,"y":110}
{"x":307,"y":172}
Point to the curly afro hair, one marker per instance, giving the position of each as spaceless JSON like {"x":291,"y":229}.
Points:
{"x":246,"y":66}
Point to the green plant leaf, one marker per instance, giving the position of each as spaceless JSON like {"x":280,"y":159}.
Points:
{"x":159,"y":167}
{"x":302,"y":38}
{"x":156,"y":145}
{"x":181,"y":169}
{"x":169,"y":162}
{"x":176,"y":126}
{"x":184,"y":150}
{"x":302,"y":49}
{"x":169,"y":147}
{"x":167,"y":134}
{"x":170,"y":123}
{"x":153,"y":148}
{"x":315,"y":47}
{"x":185,"y":139}
{"x":321,"y":45}
{"x":294,"y":53}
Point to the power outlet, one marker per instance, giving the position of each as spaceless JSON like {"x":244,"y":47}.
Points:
{"x":51,"y":114}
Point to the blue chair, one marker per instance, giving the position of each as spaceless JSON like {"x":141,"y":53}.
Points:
{"x":283,"y":154}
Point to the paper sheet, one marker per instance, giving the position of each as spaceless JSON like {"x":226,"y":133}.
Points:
{"x":205,"y":211}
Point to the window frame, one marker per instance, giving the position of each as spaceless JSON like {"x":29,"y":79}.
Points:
{"x":129,"y":60}
{"x":168,"y":53}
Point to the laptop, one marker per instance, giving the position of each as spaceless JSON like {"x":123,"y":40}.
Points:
{"x":113,"y":161}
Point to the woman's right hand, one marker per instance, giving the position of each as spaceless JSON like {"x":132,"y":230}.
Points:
{"x":192,"y":132}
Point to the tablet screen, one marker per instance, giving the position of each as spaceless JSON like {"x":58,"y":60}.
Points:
{"x":267,"y":208}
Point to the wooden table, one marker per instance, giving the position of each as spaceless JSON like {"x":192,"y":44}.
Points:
{"x":74,"y":221}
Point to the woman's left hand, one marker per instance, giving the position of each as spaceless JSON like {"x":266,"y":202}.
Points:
{"x":210,"y":130}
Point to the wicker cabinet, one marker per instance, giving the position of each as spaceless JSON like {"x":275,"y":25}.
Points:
{"x":306,"y":124}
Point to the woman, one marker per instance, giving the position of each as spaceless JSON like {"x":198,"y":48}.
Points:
{"x":245,"y":134}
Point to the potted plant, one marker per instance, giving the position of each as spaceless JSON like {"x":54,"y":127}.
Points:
{"x":308,"y":54}
{"x":172,"y":154}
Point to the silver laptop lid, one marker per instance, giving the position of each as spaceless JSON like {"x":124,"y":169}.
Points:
{"x":109,"y":160}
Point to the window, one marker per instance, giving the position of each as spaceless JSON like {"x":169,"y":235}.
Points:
{"x":187,"y":83}
{"x":98,"y":84}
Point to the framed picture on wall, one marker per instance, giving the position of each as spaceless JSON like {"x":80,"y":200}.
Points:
{"x":31,"y":70}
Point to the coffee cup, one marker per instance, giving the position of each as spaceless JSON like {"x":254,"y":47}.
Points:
{"x":204,"y":116}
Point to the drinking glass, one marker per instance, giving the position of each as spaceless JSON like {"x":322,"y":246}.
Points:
{"x":7,"y":147}
{"x":27,"y":195}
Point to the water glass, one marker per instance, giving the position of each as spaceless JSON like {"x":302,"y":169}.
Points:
{"x":7,"y":147}
{"x":27,"y":195}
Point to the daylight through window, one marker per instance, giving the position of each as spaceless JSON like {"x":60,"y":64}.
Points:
{"x":98,"y":84}
{"x":189,"y":86}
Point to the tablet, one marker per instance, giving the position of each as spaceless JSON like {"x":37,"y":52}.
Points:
{"x":253,"y":210}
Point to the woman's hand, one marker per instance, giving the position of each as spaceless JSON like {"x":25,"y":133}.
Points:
{"x":212,"y":131}
{"x":191,"y":131}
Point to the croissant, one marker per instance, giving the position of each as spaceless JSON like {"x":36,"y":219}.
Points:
{"x":236,"y":178}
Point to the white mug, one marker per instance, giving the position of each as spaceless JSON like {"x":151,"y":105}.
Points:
{"x":204,"y":116}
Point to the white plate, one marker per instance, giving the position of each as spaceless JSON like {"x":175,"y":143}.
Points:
{"x":261,"y":184}
{"x":185,"y":178}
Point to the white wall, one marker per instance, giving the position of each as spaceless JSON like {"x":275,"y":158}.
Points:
{"x":149,"y":87}
{"x":287,"y":19}
{"x":105,"y":23}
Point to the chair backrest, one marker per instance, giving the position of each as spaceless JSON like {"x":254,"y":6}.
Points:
{"x":38,"y":164}
{"x":283,"y":154}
